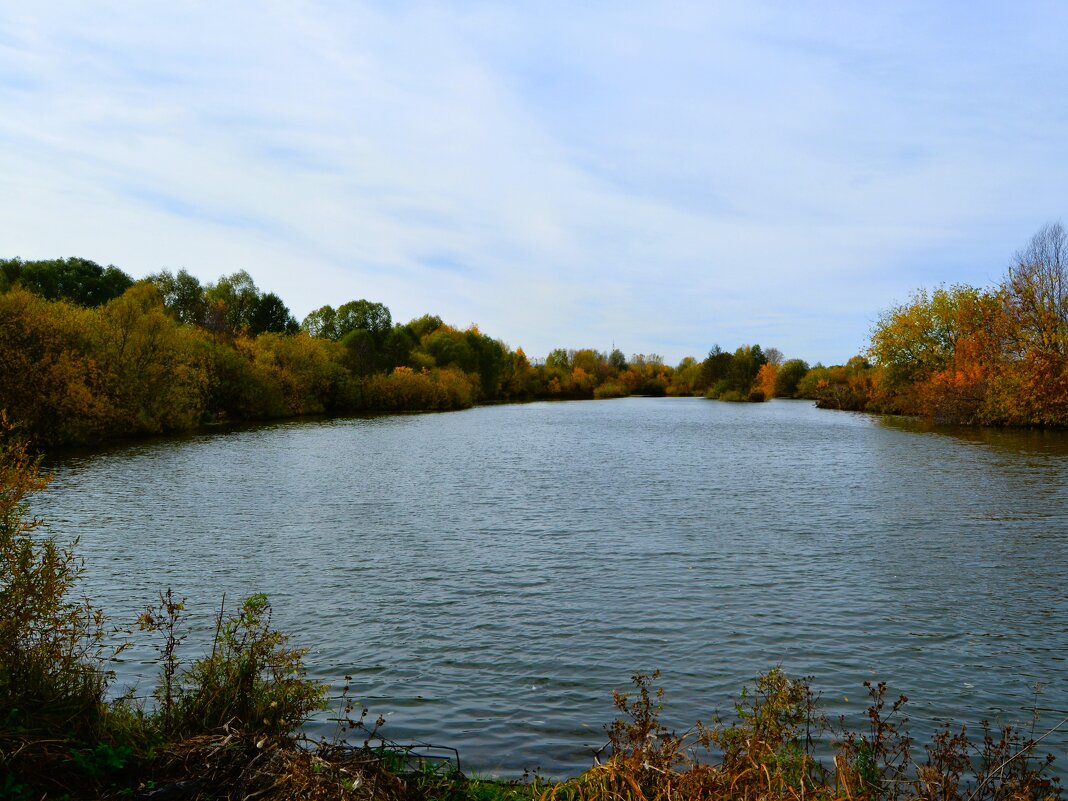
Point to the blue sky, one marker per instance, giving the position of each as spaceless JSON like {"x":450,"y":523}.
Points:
{"x":658,"y":176}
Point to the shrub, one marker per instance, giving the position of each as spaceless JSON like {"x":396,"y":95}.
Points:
{"x":251,"y":680}
{"x":51,"y":677}
{"x":773,"y":735}
{"x":611,"y":389}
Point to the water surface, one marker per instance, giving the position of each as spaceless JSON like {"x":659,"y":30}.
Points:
{"x":488,"y":577}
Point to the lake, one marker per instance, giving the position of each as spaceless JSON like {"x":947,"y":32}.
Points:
{"x":488,"y":577}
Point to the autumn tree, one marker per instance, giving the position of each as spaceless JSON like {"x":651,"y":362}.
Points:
{"x":156,"y":379}
{"x":515,"y":376}
{"x":1036,"y":295}
{"x":918,"y":338}
{"x":646,"y":374}
{"x":1032,"y":387}
{"x":49,"y":380}
{"x":764,"y":383}
{"x":939,"y":352}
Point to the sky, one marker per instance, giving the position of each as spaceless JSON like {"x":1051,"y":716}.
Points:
{"x":658,"y":177}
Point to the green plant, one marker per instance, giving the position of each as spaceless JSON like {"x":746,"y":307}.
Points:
{"x":164,"y":618}
{"x":252,"y":680}
{"x":12,"y":789}
{"x":102,"y":761}
{"x":876,"y":764}
{"x":50,"y":660}
{"x":639,"y":741}
{"x":773,"y":736}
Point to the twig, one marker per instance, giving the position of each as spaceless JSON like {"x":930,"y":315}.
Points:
{"x":218,"y":626}
{"x":1021,"y":752}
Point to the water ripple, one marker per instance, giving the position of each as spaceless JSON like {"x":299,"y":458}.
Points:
{"x":489,"y":577}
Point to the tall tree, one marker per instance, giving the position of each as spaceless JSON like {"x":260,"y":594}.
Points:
{"x":364,"y":314}
{"x":788,"y":377}
{"x":182,"y":294}
{"x":1036,"y":294}
{"x":236,"y":298}
{"x":270,"y":314}
{"x":322,"y":323}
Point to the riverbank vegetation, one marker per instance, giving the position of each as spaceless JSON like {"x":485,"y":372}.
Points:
{"x":226,"y":724}
{"x":963,"y":354}
{"x":88,"y":354}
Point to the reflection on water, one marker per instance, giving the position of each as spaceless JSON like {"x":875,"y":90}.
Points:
{"x":489,"y":576}
{"x":1015,"y":441}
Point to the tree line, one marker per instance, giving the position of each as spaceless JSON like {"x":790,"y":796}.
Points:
{"x":88,"y":353}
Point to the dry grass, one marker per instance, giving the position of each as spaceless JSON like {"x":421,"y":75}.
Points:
{"x":239,"y":766}
{"x":767,"y":754}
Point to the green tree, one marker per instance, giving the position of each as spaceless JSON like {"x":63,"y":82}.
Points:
{"x":397,"y":347}
{"x":743,"y":369}
{"x":322,"y":323}
{"x":714,"y":367}
{"x":559,"y":359}
{"x":77,"y":280}
{"x":10,"y":270}
{"x":424,"y":326}
{"x":489,"y":361}
{"x":234,"y":298}
{"x":687,"y":377}
{"x":270,"y":314}
{"x":788,"y":377}
{"x":361,"y":351}
{"x":182,"y":295}
{"x":364,"y":314}
{"x":451,"y":347}
{"x":330,"y":323}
